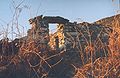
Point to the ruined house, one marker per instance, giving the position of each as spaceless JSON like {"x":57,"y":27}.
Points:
{"x":72,"y":37}
{"x":77,"y":40}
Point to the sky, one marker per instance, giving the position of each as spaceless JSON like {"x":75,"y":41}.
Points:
{"x":74,"y":10}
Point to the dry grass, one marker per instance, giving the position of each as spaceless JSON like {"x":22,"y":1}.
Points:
{"x":104,"y":67}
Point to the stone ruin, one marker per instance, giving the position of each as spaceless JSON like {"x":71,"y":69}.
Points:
{"x":71,"y":37}
{"x":77,"y":40}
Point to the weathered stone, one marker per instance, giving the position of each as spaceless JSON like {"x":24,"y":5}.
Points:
{"x":76,"y":40}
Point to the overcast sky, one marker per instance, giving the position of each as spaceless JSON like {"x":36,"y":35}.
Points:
{"x":74,"y":10}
